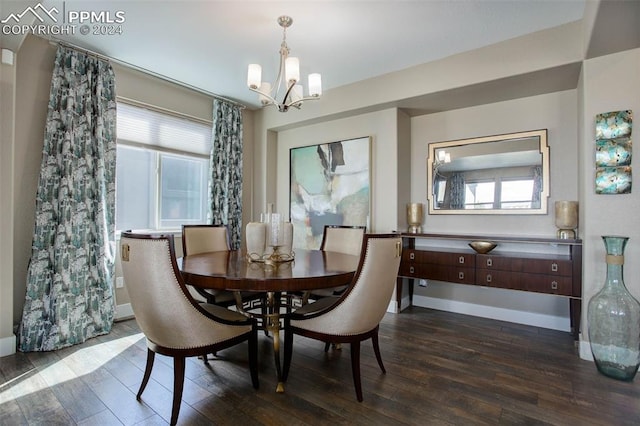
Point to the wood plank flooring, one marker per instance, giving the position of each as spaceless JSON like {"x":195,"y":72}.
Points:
{"x":442,"y":369}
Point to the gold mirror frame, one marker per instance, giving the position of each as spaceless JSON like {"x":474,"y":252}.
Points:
{"x":543,"y":149}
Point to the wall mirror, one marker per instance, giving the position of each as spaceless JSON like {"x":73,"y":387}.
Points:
{"x":503,"y":174}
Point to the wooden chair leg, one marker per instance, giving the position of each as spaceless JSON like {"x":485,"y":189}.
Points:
{"x":288,"y":352}
{"x":253,"y":358}
{"x":355,"y":369}
{"x":147,"y":372}
{"x":376,"y":349}
{"x":326,"y":346}
{"x":178,"y":385}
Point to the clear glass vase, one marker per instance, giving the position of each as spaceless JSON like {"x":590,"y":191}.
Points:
{"x":614,"y":319}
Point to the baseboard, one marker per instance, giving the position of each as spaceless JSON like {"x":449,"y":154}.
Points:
{"x":123,"y":312}
{"x":585,"y":351}
{"x":8,"y":345}
{"x":492,"y":312}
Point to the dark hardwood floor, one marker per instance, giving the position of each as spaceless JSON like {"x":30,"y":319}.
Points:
{"x":442,"y":368}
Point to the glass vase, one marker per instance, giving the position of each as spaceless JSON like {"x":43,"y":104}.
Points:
{"x":614,"y":319}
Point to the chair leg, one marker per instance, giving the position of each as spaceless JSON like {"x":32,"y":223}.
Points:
{"x":264,"y":312}
{"x":355,"y":369}
{"x":253,"y":358}
{"x":288,"y":351}
{"x":376,"y":349}
{"x":178,"y":385}
{"x":326,"y":346}
{"x":151,"y":355}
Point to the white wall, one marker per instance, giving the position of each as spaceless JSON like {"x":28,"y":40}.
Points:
{"x":7,"y":102}
{"x":556,"y":112}
{"x":381,"y":126}
{"x":609,"y":83}
{"x":33,"y":81}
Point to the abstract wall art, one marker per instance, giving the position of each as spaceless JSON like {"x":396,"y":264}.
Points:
{"x":330,"y":185}
{"x":613,"y":152}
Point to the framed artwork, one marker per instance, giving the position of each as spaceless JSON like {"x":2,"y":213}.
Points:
{"x":613,"y":180}
{"x":613,"y":152}
{"x":330,"y":184}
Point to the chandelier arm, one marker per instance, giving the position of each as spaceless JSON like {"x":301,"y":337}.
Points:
{"x":280,"y":78}
{"x":298,"y":102}
{"x":266,"y":95}
{"x":286,"y":94}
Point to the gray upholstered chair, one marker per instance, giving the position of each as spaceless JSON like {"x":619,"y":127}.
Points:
{"x":340,"y":239}
{"x":173,"y":323}
{"x":355,"y":315}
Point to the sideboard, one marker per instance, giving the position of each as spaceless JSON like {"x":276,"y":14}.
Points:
{"x":541,"y":270}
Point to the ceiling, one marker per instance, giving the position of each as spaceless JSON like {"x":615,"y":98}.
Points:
{"x":208,"y":44}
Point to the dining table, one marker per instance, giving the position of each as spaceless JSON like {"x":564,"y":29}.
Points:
{"x":281,"y":282}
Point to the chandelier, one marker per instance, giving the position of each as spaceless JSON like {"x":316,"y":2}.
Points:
{"x":285,"y":86}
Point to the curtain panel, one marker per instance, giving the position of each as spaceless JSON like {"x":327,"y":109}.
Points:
{"x":69,"y":296}
{"x":225,"y":185}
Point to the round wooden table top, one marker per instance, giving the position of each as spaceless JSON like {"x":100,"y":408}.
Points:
{"x":311,"y":269}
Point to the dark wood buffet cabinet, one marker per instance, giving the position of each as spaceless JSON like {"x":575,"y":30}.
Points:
{"x":540,"y":272}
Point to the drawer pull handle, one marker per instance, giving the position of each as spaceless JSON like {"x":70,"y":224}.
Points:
{"x":412,"y":256}
{"x":461,"y":259}
{"x":489,"y":262}
{"x":411,"y":270}
{"x":554,"y":267}
{"x":488,"y":278}
{"x":461,"y":275}
{"x":554,"y":285}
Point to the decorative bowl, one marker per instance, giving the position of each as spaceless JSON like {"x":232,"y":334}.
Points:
{"x":482,"y":247}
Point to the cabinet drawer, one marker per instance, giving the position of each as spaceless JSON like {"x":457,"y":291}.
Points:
{"x":539,"y":283}
{"x":428,"y":271}
{"x":499,"y":279}
{"x":439,"y":257}
{"x":549,"y":267}
{"x":549,"y":284}
{"x":559,"y":267}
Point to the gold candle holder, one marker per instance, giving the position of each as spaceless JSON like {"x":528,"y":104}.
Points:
{"x":414,"y":217}
{"x":566,"y":219}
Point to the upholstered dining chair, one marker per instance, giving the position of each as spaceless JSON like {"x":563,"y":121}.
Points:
{"x":173,"y":323}
{"x":256,"y":239}
{"x":355,"y":315}
{"x":340,"y":239}
{"x":205,"y":238}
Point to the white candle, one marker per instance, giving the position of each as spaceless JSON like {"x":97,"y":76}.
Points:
{"x":276,"y":229}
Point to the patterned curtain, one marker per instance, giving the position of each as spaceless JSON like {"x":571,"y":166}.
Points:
{"x":537,"y":187}
{"x":457,"y":191}
{"x":69,"y":281}
{"x":225,"y":186}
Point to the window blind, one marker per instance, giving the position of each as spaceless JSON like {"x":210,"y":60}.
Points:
{"x":141,"y":126}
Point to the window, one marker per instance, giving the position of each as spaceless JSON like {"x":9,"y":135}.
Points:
{"x":479,"y":195}
{"x":511,"y":194}
{"x":162,"y":170}
{"x":507,"y":192}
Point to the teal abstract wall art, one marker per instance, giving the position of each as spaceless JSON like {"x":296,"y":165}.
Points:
{"x":613,"y":152}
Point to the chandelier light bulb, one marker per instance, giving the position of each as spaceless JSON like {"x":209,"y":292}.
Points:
{"x":315,"y":85}
{"x":264,"y":88}
{"x":292,"y":69}
{"x":254,"y":76}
